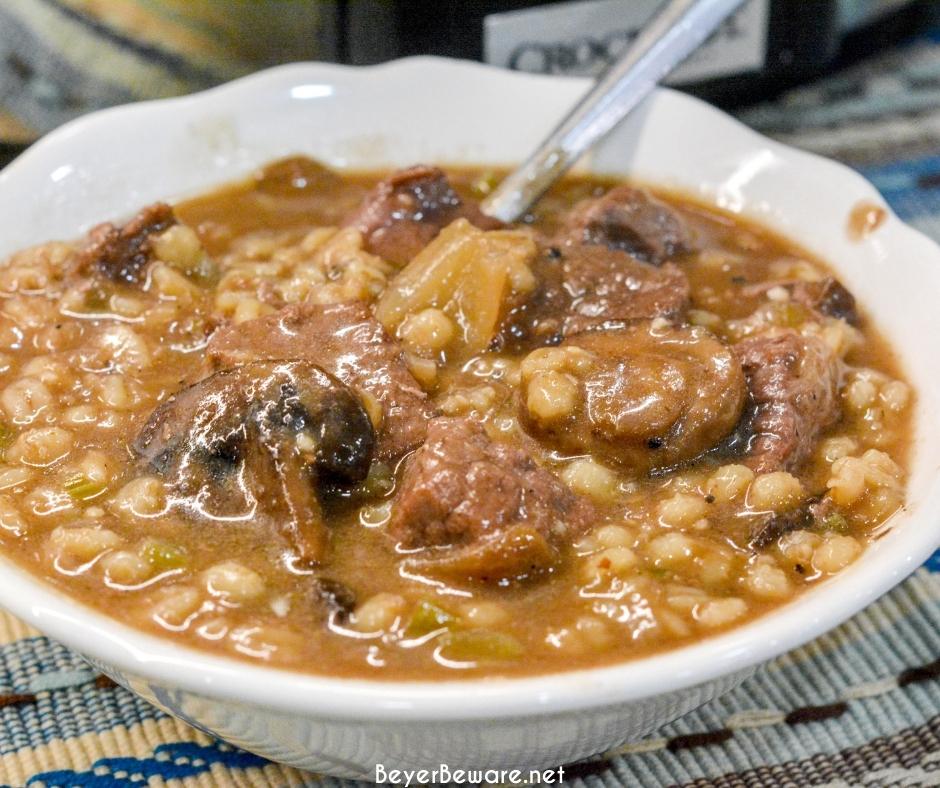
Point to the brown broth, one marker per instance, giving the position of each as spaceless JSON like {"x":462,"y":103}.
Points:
{"x":558,"y":623}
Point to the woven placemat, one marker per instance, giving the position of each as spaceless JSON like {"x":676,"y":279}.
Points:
{"x":859,"y":706}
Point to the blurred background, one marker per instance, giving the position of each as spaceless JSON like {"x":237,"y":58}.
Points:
{"x":62,"y":58}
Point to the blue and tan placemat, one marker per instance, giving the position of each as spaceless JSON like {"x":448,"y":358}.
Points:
{"x":857,"y":707}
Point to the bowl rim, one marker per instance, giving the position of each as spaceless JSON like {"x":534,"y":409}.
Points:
{"x":128,"y":652}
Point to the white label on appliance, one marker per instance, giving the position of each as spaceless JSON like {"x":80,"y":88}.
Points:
{"x":582,"y":38}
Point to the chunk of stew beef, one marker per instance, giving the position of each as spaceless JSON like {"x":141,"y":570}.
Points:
{"x":607,"y":267}
{"x":348,"y":342}
{"x":122,"y":254}
{"x":794,"y":384}
{"x":646,"y":397}
{"x":404,"y":213}
{"x":583,"y":287}
{"x":475,"y":509}
{"x":629,"y":220}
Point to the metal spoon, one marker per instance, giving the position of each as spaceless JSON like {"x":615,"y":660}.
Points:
{"x":670,"y":37}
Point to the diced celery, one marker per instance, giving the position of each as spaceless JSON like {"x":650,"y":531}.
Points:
{"x":380,"y":481}
{"x":485,"y":183}
{"x":836,"y":522}
{"x":204,"y":272}
{"x":163,"y":557}
{"x":480,"y":645}
{"x":790,"y":314}
{"x":426,"y":618}
{"x":81,"y":488}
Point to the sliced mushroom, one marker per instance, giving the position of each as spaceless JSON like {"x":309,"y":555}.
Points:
{"x":516,"y":554}
{"x":261,"y":438}
{"x":346,"y":341}
{"x":329,"y":598}
{"x":831,"y":298}
{"x":827,"y":296}
{"x":807,"y":514}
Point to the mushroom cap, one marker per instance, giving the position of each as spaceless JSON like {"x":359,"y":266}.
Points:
{"x":268,"y":437}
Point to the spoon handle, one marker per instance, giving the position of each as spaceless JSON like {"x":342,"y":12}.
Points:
{"x":673,"y":34}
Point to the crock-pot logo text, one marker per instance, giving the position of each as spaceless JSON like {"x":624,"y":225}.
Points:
{"x":591,"y":54}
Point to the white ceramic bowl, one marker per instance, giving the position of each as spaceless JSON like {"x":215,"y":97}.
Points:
{"x":432,"y":110}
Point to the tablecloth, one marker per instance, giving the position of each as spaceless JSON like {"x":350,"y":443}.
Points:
{"x":858,"y":706}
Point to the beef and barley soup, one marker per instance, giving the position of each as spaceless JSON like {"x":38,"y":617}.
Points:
{"x":347,"y":423}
